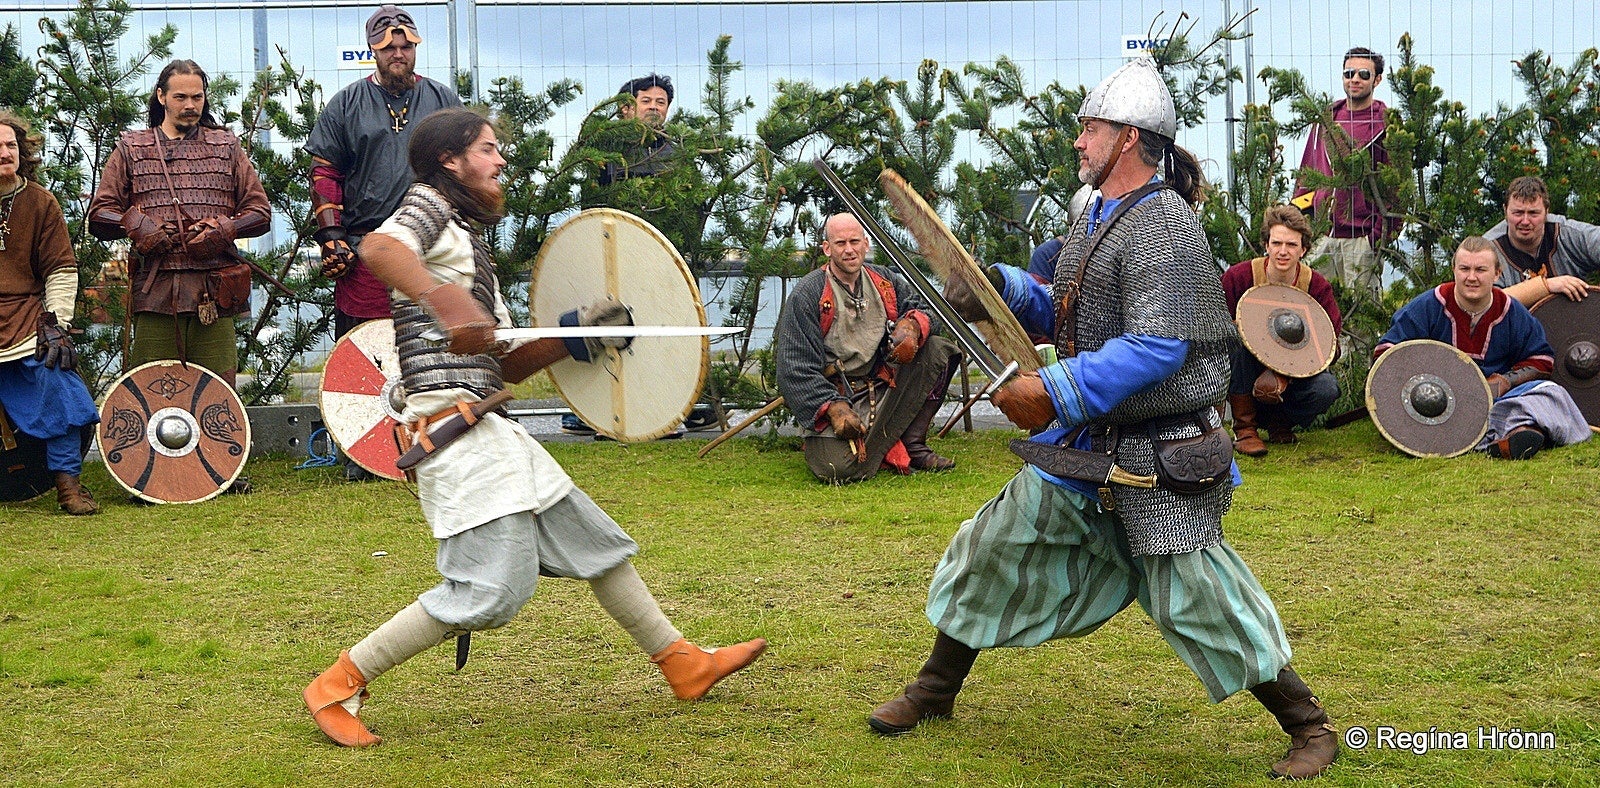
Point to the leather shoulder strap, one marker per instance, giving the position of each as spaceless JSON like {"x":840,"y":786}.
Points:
{"x":1067,"y":313}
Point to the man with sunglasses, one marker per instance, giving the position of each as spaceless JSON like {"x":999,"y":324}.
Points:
{"x":358,"y":165}
{"x":1359,"y":223}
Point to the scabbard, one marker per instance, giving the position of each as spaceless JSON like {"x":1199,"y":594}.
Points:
{"x":1087,"y":466}
{"x":450,"y":429}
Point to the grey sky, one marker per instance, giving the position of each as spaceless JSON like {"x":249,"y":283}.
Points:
{"x":1469,"y":42}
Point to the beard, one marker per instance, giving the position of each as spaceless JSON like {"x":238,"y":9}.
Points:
{"x":491,"y":199}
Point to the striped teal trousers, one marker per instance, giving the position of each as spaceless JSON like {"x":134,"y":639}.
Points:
{"x":1040,"y":562}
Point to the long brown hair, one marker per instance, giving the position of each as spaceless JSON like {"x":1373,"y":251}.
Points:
{"x":443,"y":135}
{"x":158,"y":111}
{"x":29,"y":142}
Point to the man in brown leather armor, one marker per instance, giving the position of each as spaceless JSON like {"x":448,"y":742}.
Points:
{"x":182,"y":191}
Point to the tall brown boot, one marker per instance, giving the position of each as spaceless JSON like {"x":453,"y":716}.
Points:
{"x":933,"y":694}
{"x":691,"y":670}
{"x":1245,"y":438}
{"x":329,"y":698}
{"x":73,"y":497}
{"x":1313,"y":743}
{"x":915,"y":439}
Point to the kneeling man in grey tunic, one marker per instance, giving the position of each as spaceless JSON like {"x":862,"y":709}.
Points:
{"x":503,"y":510}
{"x":1122,"y":499}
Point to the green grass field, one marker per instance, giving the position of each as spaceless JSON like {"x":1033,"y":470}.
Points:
{"x":168,"y":645}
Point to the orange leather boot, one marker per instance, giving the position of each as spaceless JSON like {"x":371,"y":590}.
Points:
{"x":325,"y":696}
{"x":692,"y":670}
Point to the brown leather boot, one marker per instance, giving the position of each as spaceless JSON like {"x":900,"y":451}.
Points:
{"x":73,"y":497}
{"x":1313,"y":743}
{"x":915,"y":439}
{"x":691,"y":671}
{"x":933,"y":694}
{"x":1519,"y":444}
{"x":1246,"y":440}
{"x":326,"y":695}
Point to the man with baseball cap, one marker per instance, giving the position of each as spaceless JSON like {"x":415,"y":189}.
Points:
{"x":358,"y":151}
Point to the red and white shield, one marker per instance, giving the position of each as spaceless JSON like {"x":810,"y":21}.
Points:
{"x":362,"y":399}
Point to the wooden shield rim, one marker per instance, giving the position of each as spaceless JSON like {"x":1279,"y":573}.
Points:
{"x":378,"y":436}
{"x":99,"y":435}
{"x":569,"y":370}
{"x":950,"y":259}
{"x":1324,"y":325}
{"x":1378,"y":415}
{"x":1585,"y":392}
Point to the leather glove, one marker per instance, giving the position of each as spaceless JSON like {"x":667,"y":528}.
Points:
{"x":846,"y":425}
{"x":1025,"y":402}
{"x":149,"y":238}
{"x":1269,"y":387}
{"x":54,"y":347}
{"x":470,"y":328}
{"x":905,"y":340}
{"x":1499,"y":385}
{"x":605,"y":312}
{"x":337,"y":256}
{"x":210,"y":237}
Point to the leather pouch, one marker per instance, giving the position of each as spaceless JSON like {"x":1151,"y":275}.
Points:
{"x":1190,"y":466}
{"x":229,"y":287}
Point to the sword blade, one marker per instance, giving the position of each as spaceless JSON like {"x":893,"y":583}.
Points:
{"x":969,"y":340}
{"x":562,"y":332}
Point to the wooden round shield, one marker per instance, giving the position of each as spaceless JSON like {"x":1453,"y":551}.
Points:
{"x":1428,"y":399}
{"x":173,"y":433}
{"x":24,"y":472}
{"x":1573,"y":328}
{"x":1287,"y":330}
{"x":644,"y":391}
{"x":362,"y":399}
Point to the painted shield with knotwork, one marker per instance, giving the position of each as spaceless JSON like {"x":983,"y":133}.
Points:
{"x":644,"y":391}
{"x":173,"y":433}
{"x":1428,"y":399}
{"x":362,"y":399}
{"x":1287,"y":330}
{"x":1573,"y":328}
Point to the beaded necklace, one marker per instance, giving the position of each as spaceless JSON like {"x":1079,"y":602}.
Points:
{"x":8,"y":200}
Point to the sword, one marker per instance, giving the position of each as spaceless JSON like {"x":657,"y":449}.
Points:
{"x":998,"y":371}
{"x":436,"y":334}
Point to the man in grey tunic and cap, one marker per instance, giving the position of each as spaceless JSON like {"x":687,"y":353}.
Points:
{"x":1123,"y":496}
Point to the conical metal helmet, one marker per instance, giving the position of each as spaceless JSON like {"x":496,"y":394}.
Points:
{"x":1134,"y":95}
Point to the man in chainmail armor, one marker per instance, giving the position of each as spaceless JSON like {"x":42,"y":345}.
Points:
{"x":1123,"y":497}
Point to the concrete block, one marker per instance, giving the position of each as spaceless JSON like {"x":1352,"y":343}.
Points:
{"x":284,"y":429}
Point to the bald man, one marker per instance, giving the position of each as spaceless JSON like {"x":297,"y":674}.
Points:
{"x":859,"y":365}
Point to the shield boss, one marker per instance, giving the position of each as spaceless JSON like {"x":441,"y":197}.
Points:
{"x":1573,"y":328}
{"x":1287,"y":330}
{"x":1428,"y":399}
{"x":173,"y":433}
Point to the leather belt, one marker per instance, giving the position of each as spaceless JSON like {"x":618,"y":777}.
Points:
{"x":416,"y":441}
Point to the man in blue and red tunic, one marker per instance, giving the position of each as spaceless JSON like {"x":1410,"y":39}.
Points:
{"x":1508,"y":344}
{"x":859,"y":365}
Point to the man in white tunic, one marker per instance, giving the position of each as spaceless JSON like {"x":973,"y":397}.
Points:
{"x":503,"y":510}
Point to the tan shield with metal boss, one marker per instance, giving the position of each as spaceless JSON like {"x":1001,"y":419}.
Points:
{"x":1573,"y":328}
{"x":1286,"y":330}
{"x":171,"y":433}
{"x":644,"y":391}
{"x":362,"y":399}
{"x":950,"y":260}
{"x":1428,"y":399}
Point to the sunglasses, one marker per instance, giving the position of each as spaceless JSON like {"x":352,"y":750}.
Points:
{"x":1364,"y":73}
